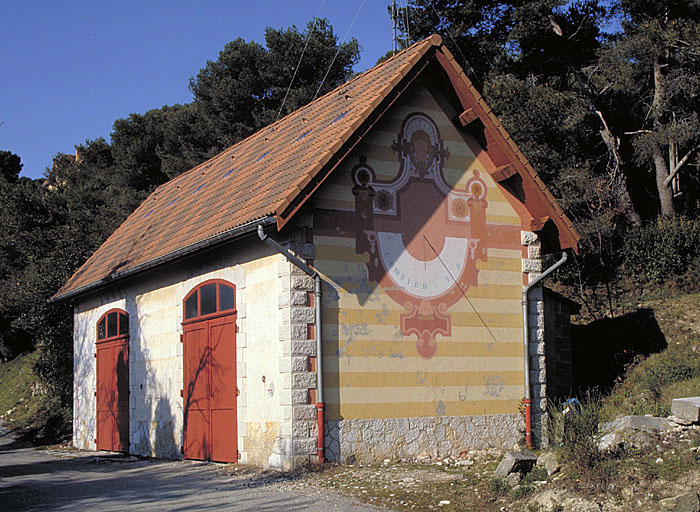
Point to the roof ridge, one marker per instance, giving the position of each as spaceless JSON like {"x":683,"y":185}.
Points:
{"x":344,"y":84}
{"x":434,"y":39}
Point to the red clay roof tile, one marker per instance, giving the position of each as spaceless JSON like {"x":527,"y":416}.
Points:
{"x":257,"y":178}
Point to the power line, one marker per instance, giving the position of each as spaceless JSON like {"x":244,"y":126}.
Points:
{"x":460,"y":288}
{"x":408,"y":27}
{"x":340,"y":46}
{"x":394,"y":15}
{"x":296,"y":70}
{"x":464,"y":58}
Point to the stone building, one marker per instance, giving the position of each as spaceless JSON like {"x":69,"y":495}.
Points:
{"x":380,"y":316}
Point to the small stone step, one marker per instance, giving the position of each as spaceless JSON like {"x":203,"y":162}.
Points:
{"x":512,"y":462}
{"x":687,"y":408}
{"x":637,"y":423}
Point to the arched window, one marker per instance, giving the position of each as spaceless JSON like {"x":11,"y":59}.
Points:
{"x":113,"y":324}
{"x":210,"y":298}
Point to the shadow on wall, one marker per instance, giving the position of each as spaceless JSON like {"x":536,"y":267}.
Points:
{"x":84,"y":382}
{"x":602,"y":350}
{"x":152,"y":416}
{"x":165,"y":445}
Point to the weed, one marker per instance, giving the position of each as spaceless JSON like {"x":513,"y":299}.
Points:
{"x":666,"y":370}
{"x":499,"y":486}
{"x":522,"y":490}
{"x":577,"y":431}
{"x":537,"y":474}
{"x":577,"y":435}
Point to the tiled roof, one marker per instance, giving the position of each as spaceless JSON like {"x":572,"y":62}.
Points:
{"x":264,"y":177}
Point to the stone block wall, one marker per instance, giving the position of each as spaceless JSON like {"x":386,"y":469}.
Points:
{"x":557,"y":320}
{"x":372,"y":440}
{"x":532,"y":268}
{"x":297,"y":440}
{"x":550,"y":349}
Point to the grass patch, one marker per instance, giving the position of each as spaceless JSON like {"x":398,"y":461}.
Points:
{"x":17,"y":387}
{"x":26,"y":407}
{"x":651,"y":383}
{"x":670,"y":465}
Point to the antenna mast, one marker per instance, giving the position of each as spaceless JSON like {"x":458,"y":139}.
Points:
{"x":394,"y":15}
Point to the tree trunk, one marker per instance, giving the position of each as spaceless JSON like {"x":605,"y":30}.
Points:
{"x":665,"y":191}
{"x":660,"y":165}
{"x":618,"y":180}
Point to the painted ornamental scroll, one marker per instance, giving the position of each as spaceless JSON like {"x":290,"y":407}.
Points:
{"x":423,"y":236}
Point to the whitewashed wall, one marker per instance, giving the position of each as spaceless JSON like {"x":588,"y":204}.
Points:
{"x":154,"y":304}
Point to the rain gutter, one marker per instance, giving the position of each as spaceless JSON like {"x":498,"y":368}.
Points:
{"x":167,"y":258}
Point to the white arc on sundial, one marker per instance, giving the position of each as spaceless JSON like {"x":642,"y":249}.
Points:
{"x":422,"y":278}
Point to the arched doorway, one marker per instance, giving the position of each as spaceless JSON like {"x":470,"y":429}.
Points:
{"x":209,"y":373}
{"x":113,"y":381}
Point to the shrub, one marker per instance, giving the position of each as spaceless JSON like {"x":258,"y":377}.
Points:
{"x":499,"y":486}
{"x":663,"y":250}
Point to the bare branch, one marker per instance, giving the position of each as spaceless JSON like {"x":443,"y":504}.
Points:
{"x":637,"y":132}
{"x":679,"y":165}
{"x":605,"y":89}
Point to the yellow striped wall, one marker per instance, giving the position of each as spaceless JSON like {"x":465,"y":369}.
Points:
{"x":373,"y":370}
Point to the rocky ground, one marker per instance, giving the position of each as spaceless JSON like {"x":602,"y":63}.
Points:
{"x":655,"y":470}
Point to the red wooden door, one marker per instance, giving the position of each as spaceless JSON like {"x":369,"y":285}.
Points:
{"x":209,"y":367}
{"x":113,"y":395}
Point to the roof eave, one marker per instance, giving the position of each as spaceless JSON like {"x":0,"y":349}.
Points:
{"x":188,"y":250}
{"x":471,"y":98}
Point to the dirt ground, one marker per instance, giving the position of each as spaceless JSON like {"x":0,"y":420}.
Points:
{"x":631,"y":479}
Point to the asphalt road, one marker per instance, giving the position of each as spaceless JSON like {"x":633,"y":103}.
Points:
{"x":36,"y":479}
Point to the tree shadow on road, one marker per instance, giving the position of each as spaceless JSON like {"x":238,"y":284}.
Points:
{"x":109,"y":481}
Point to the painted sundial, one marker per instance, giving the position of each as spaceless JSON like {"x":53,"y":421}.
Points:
{"x":423,"y":236}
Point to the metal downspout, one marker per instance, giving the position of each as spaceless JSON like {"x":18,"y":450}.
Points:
{"x":320,"y":406}
{"x":526,"y":344}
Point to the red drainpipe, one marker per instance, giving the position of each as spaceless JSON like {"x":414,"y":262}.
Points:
{"x":528,"y":423}
{"x":319,"y":418}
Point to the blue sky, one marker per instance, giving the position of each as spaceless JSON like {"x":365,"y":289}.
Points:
{"x":71,"y":68}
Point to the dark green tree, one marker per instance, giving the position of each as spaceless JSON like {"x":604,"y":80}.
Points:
{"x":10,"y":166}
{"x":244,"y":89}
{"x":654,"y":64}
